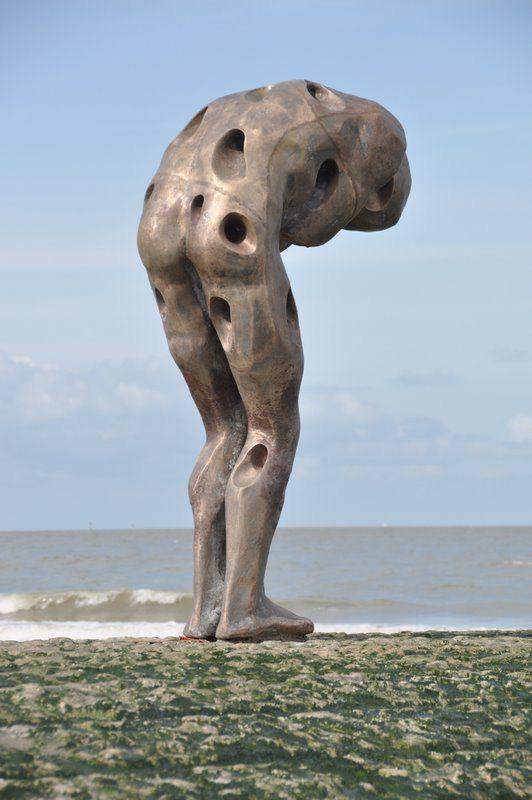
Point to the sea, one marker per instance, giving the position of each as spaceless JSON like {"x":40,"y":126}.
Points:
{"x":98,"y":584}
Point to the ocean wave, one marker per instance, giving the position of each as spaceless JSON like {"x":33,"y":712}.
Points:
{"x":150,"y":605}
{"x":147,"y":605}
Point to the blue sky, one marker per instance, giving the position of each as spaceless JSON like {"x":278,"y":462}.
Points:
{"x":417,"y":396}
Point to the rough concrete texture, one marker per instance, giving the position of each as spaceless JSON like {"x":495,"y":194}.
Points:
{"x":427,"y":716}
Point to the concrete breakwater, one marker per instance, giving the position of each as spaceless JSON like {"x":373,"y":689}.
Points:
{"x":434,"y":715}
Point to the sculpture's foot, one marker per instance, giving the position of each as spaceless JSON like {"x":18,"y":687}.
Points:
{"x":202,"y":624}
{"x":269,"y":622}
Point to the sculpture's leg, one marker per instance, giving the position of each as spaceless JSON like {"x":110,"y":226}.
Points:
{"x":264,"y":351}
{"x":196,"y":349}
{"x":225,"y":437}
{"x":206,"y":493}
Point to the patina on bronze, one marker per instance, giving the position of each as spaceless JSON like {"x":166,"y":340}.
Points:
{"x":251,"y":174}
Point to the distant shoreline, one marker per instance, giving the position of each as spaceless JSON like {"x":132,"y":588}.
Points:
{"x":291,"y":528}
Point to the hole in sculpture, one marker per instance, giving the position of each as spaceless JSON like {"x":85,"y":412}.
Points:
{"x":221,"y":308}
{"x":196,"y":286}
{"x":377,"y":201}
{"x":194,"y":124}
{"x":234,"y":228}
{"x":234,"y":140}
{"x":149,"y":192}
{"x":220,"y":312}
{"x":219,"y":542}
{"x":326,"y":96}
{"x":291,"y":310}
{"x":228,"y":161}
{"x":251,"y":466}
{"x":197,"y":205}
{"x":315,"y":90}
{"x":160,"y":302}
{"x":326,"y":182}
{"x":327,"y":174}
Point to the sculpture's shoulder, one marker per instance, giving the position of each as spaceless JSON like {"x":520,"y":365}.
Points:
{"x":262,"y":115}
{"x":296,"y":156}
{"x":267,"y":116}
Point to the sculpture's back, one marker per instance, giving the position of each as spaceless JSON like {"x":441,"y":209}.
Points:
{"x":250,"y":175}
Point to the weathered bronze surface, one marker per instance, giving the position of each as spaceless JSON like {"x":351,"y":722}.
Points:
{"x":251,"y":174}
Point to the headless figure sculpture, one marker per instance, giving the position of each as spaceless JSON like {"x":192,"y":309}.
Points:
{"x":251,"y":174}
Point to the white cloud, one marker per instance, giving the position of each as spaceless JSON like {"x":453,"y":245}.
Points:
{"x":353,"y":408}
{"x":310,"y":407}
{"x":24,"y":360}
{"x":509,"y":354}
{"x":102,"y":427}
{"x":139,"y":398}
{"x":48,"y":397}
{"x":33,"y":393}
{"x":520,"y":428}
{"x":424,"y":379}
{"x":423,"y":470}
{"x":386,"y":471}
{"x":305,"y":466}
{"x":324,"y":405}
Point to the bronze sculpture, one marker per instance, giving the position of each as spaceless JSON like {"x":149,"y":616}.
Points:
{"x":251,"y":174}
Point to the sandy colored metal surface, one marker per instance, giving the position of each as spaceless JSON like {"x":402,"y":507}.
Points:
{"x":250,"y":175}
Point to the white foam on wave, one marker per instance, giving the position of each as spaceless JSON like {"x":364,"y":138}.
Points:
{"x":408,"y":627}
{"x":21,"y":630}
{"x":11,"y":603}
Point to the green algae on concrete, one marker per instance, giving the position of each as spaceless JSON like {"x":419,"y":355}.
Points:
{"x":425,"y":716}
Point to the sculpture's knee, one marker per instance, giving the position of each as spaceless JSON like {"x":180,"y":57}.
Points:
{"x":216,"y":461}
{"x":267,"y":457}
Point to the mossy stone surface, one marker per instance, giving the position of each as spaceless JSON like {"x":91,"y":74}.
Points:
{"x":403,"y":716}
